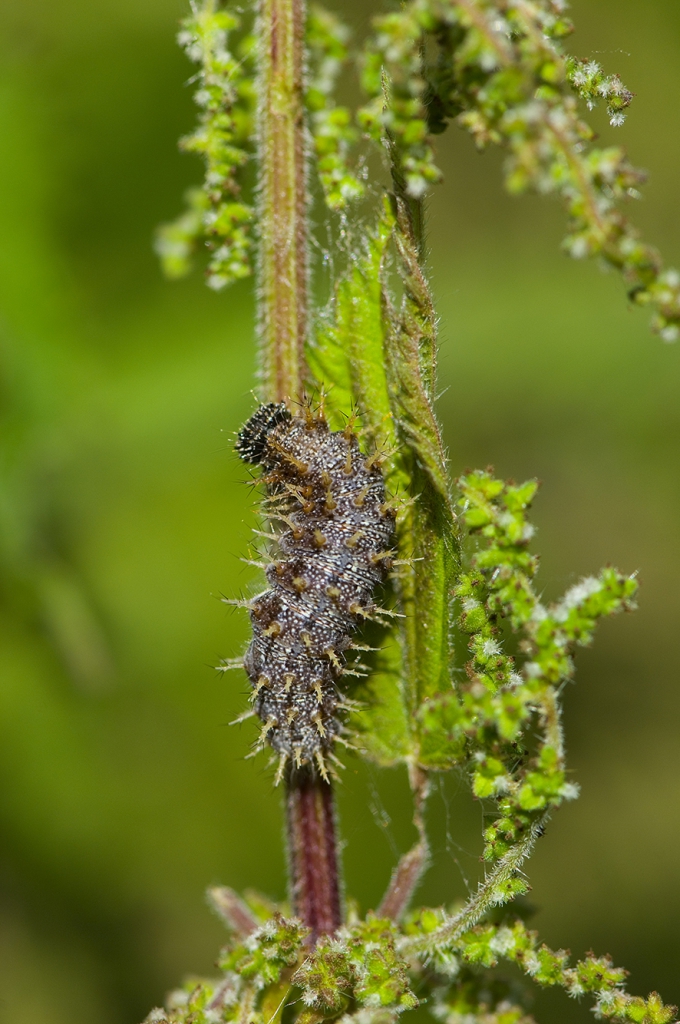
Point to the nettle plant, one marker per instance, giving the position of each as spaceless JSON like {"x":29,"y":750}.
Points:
{"x":357,"y":491}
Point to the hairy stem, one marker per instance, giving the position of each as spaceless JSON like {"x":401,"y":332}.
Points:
{"x":489,"y":894}
{"x":412,"y":865}
{"x":235,"y":914}
{"x":284,"y":307}
{"x":284,"y":270}
{"x":312,"y":846}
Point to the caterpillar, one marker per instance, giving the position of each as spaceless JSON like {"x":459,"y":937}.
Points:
{"x":332,"y":530}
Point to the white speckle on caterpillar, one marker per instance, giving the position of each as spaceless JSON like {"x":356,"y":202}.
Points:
{"x":332,"y":535}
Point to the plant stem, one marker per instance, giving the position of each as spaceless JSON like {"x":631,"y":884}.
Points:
{"x":284,"y":309}
{"x":489,"y":894}
{"x":312,"y":846}
{"x":284,"y":263}
{"x":412,"y":865}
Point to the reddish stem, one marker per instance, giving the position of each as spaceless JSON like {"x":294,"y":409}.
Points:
{"x":313,"y":861}
{"x":284,"y":302}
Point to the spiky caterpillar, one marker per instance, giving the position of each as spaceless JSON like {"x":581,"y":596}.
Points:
{"x":332,"y":532}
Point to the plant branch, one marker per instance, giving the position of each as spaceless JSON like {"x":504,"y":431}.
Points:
{"x":282,"y":144}
{"x":490,"y":893}
{"x":235,"y":914}
{"x":312,"y":846}
{"x":284,"y":307}
{"x":412,"y":865}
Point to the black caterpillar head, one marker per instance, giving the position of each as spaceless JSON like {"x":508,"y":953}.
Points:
{"x":252,"y":437}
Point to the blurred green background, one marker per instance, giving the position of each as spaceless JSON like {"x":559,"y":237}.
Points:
{"x":122,"y":514}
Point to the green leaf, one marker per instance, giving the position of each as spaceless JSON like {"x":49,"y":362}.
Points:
{"x":347,"y":357}
{"x":427,"y":537}
{"x":366,"y":353}
{"x":442,"y":724}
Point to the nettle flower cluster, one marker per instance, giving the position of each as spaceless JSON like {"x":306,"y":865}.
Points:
{"x":372,"y":971}
{"x":498,"y":70}
{"x":497,"y":696}
{"x":215,"y":213}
